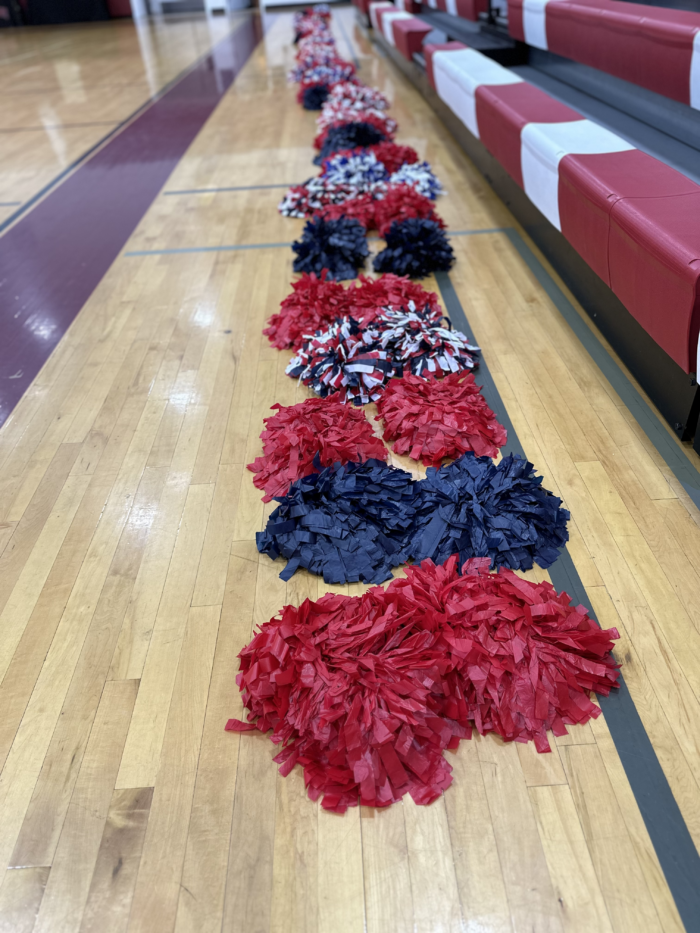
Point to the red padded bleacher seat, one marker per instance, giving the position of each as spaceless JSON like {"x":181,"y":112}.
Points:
{"x":590,"y":186}
{"x":431,"y":48}
{"x":633,"y":219}
{"x":654,"y":257}
{"x":468,"y":9}
{"x":652,"y":47}
{"x":409,"y":35}
{"x":503,"y":110}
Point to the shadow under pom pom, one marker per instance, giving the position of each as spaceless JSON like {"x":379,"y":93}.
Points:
{"x":349,"y":136}
{"x":312,"y":96}
{"x":474,"y":508}
{"x":431,"y":419}
{"x":367,"y":692}
{"x":340,"y":246}
{"x":323,"y":428}
{"x":350,"y":523}
{"x":416,"y":248}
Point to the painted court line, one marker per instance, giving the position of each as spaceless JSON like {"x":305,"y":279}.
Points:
{"x":667,"y":830}
{"x":203,"y":249}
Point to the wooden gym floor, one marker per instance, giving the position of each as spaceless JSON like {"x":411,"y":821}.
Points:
{"x":129,"y":577}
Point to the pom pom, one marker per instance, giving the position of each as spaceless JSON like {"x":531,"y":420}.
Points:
{"x":292,"y":438}
{"x":392,"y":156}
{"x":312,"y":96}
{"x":474,"y":508}
{"x":398,"y":203}
{"x":419,"y":176}
{"x":432,"y":419}
{"x":340,"y":246}
{"x":416,"y":248}
{"x":349,"y":136}
{"x":349,"y":523}
{"x":371,"y":296}
{"x":313,"y":196}
{"x":366,"y":692}
{"x":334,"y":114}
{"x":360,"y":170}
{"x":315,"y":302}
{"x":322,"y":69}
{"x":357,"y":360}
{"x":357,"y":97}
{"x":361,"y":208}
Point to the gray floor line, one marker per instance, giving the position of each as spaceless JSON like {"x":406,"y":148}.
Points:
{"x":667,"y":829}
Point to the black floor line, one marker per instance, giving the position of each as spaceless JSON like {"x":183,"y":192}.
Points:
{"x":667,"y":830}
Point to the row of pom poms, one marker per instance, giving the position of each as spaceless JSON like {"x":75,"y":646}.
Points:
{"x":367,"y":181}
{"x":366,"y":693}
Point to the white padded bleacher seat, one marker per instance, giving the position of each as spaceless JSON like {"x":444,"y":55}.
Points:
{"x":544,"y":145}
{"x":387,"y":24}
{"x":374,"y":8}
{"x":458,"y":73}
{"x":535,"y":22}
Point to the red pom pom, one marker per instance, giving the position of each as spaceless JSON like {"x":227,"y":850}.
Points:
{"x":314,"y":303}
{"x":360,"y":208}
{"x":337,"y":433}
{"x":367,"y":299}
{"x":393,"y":156}
{"x":366,"y":692}
{"x":400,"y":202}
{"x":431,"y":419}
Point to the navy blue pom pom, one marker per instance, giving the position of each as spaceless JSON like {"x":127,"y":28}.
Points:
{"x":475,"y":508}
{"x":350,"y":523}
{"x":349,"y":136}
{"x":340,"y":246}
{"x":415,"y":247}
{"x":314,"y":97}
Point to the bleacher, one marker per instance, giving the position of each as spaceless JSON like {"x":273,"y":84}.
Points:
{"x":598,"y":158}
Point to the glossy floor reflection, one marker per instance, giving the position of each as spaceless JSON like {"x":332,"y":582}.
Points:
{"x":130,"y":580}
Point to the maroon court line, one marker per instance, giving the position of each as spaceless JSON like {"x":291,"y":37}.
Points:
{"x":54,"y":257}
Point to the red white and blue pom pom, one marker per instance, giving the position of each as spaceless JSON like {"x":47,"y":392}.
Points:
{"x":357,"y":97}
{"x":418,"y":175}
{"x":359,"y":169}
{"x":398,"y":203}
{"x":313,"y":196}
{"x":357,"y":361}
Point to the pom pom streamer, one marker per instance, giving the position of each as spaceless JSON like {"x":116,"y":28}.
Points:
{"x":358,"y":361}
{"x":430,"y":419}
{"x":347,"y":523}
{"x":357,"y":97}
{"x":365,"y":693}
{"x":339,"y":246}
{"x":415,"y":247}
{"x":322,"y":428}
{"x":475,"y":508}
